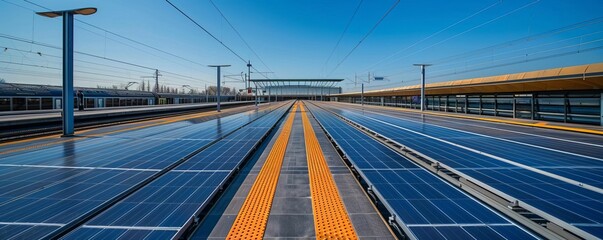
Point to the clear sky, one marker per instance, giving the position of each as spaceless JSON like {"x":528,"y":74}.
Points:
{"x":294,"y":39}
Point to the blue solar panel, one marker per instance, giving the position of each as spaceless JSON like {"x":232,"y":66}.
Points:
{"x":63,"y":182}
{"x":172,"y":200}
{"x":420,"y":200}
{"x":168,"y":202}
{"x":539,"y":157}
{"x":25,"y":231}
{"x":103,"y":233}
{"x":570,"y":203}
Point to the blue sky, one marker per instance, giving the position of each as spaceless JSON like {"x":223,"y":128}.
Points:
{"x":295,"y":38}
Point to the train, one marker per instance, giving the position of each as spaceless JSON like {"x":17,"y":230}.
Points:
{"x":24,"y":97}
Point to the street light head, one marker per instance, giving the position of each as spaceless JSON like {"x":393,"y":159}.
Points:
{"x":224,"y":65}
{"x":422,"y":64}
{"x":81,"y":11}
{"x":85,"y":11}
{"x":50,"y":14}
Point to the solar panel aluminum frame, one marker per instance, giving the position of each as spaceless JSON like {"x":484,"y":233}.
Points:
{"x":491,"y":203}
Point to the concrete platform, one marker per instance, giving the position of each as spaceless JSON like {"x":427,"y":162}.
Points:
{"x":16,"y":118}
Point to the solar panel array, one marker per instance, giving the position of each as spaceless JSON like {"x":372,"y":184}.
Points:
{"x":51,"y":187}
{"x":427,"y":206}
{"x":548,"y":196}
{"x":170,"y":203}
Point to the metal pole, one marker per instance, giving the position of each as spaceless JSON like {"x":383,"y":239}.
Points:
{"x":256,"y":95}
{"x":422,"y":88}
{"x":156,"y":80}
{"x":218,"y":79}
{"x":422,"y":84}
{"x":362,"y":95}
{"x":68,"y":104}
{"x":248,"y":83}
{"x":206,"y":94}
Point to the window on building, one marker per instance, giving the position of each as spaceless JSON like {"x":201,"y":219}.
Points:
{"x":4,"y":104}
{"x":47,"y":103}
{"x":19,"y":104}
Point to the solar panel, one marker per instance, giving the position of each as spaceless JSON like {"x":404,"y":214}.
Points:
{"x":8,"y":231}
{"x":61,"y":183}
{"x":173,"y":200}
{"x":422,"y":202}
{"x":105,"y":233}
{"x":538,"y":192}
{"x":539,"y":157}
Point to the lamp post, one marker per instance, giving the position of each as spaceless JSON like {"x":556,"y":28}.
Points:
{"x":68,"y":104}
{"x":218,"y":80}
{"x":422,"y":84}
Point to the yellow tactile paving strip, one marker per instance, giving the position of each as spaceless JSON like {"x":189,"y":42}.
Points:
{"x":331,"y":220}
{"x":527,"y":124}
{"x":253,"y":216}
{"x":138,"y":125}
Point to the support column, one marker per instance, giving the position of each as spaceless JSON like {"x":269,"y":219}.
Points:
{"x":480,"y":105}
{"x":532,"y":107}
{"x":514,"y":107}
{"x":466,"y":104}
{"x":362,"y":95}
{"x":68,"y":104}
{"x":565,"y":107}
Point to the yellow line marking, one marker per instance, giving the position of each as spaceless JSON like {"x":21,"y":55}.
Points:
{"x":145,"y":124}
{"x":253,"y":216}
{"x":538,"y":124}
{"x":331,"y":220}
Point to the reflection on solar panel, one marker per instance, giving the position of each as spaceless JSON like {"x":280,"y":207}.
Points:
{"x":539,"y":157}
{"x":50,"y":188}
{"x":426,"y":206}
{"x":574,"y":207}
{"x":169,"y":204}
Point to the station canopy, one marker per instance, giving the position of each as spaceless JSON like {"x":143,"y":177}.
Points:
{"x":298,"y":88}
{"x":324,"y":83}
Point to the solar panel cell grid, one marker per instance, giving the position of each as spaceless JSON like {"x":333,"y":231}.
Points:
{"x":572,"y":204}
{"x":24,"y":231}
{"x":416,"y":196}
{"x":60,"y":195}
{"x":172,"y":199}
{"x":539,"y":157}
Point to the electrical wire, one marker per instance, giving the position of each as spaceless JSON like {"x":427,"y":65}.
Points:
{"x":345,"y":30}
{"x":436,"y":33}
{"x":365,"y":36}
{"x":213,"y":36}
{"x":240,"y":36}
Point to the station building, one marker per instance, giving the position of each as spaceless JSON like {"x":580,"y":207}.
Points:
{"x":569,"y":94}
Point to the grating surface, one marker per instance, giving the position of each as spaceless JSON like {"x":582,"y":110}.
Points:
{"x":253,"y":216}
{"x":331,"y":220}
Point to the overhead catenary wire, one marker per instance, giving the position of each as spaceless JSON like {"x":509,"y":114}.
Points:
{"x":437,"y":33}
{"x":463,"y":32}
{"x":122,"y":36}
{"x":240,"y":36}
{"x":365,"y":36}
{"x":472,"y":28}
{"x":92,"y":55}
{"x":467,"y":55}
{"x":214,"y":37}
{"x":345,"y":30}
